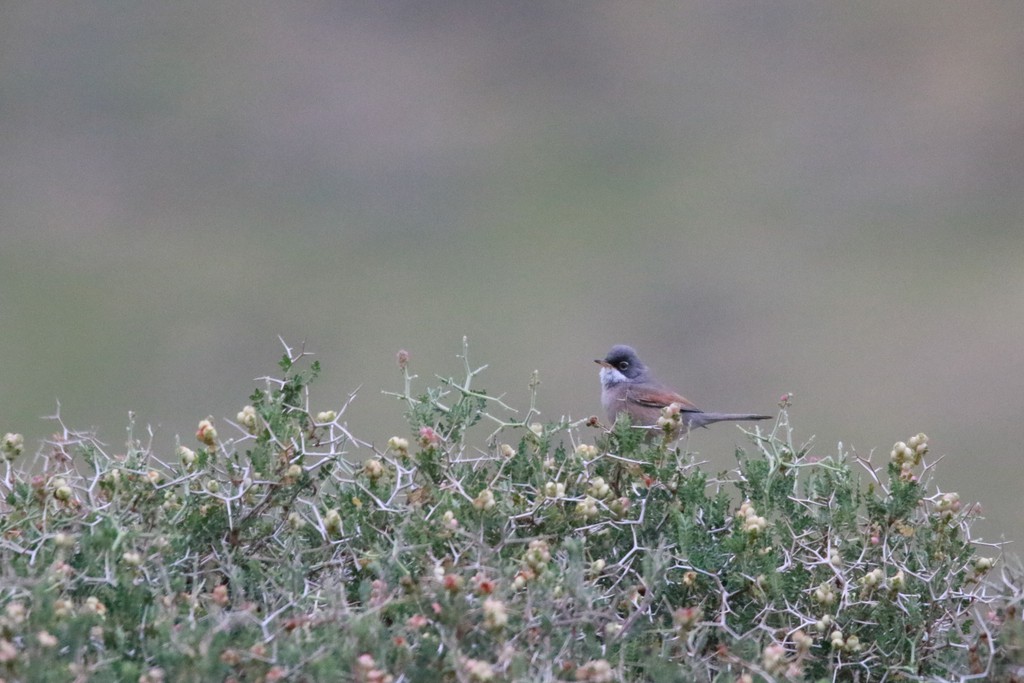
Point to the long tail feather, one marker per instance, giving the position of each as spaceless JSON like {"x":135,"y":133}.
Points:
{"x":704,"y":419}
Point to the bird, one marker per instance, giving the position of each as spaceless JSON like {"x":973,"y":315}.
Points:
{"x":627,"y":386}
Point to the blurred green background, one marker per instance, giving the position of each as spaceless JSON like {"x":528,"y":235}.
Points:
{"x":820,"y":198}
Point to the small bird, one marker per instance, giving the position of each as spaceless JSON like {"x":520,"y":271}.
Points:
{"x":628,"y":387}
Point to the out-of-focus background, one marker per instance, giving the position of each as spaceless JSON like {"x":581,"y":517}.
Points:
{"x":763,"y":198}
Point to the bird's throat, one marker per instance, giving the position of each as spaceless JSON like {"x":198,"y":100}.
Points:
{"x":610,"y":377}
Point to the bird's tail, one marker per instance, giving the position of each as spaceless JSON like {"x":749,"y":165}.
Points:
{"x":704,"y":419}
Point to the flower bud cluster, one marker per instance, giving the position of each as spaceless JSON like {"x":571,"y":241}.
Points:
{"x":598,"y":488}
{"x":186,"y":456}
{"x":984,"y":563}
{"x":908,"y":455}
{"x":803,"y":642}
{"x":586,"y":451}
{"x":448,"y":521}
{"x":847,"y":644}
{"x":948,"y":505}
{"x":12,"y":445}
{"x":61,"y":490}
{"x":824,"y":595}
{"x":774,"y":660}
{"x":484,"y":500}
{"x":620,"y":506}
{"x":93,"y":604}
{"x":537,"y":556}
{"x":753,"y":524}
{"x":428,"y":437}
{"x":326,"y":416}
{"x":872,"y":580}
{"x":207,"y":433}
{"x":112,"y":478}
{"x":495,"y":614}
{"x":554,"y":489}
{"x":399,"y":445}
{"x":374,"y":469}
{"x":587,"y":508}
{"x":482,"y":584}
{"x":332,"y":522}
{"x":477,"y":670}
{"x":14,"y":614}
{"x":247,"y":418}
{"x":777,"y":662}
{"x":670,"y":417}
{"x":452,"y":583}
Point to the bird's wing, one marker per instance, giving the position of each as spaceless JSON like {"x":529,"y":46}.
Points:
{"x":650,"y":397}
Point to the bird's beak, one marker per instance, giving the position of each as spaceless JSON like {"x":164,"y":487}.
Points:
{"x":602,"y":363}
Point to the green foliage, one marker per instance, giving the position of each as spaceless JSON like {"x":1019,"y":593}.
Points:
{"x":535,"y":552}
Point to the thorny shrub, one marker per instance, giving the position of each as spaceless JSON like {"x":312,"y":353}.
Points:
{"x":483,"y":547}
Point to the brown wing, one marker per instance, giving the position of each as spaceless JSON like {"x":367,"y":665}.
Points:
{"x":651,"y":397}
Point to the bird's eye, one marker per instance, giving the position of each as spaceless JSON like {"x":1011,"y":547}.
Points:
{"x":623,"y":365}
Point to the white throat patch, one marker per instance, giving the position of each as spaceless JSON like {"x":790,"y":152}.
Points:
{"x":611,"y":376}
